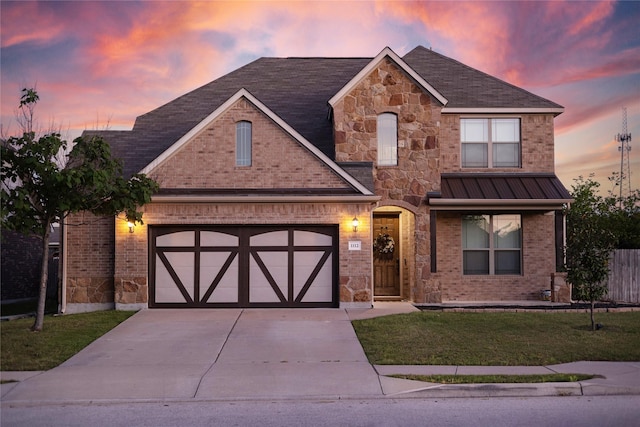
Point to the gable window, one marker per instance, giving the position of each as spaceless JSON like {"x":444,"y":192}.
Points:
{"x":491,"y":244}
{"x":243,"y":143}
{"x":490,"y":143}
{"x":387,"y":139}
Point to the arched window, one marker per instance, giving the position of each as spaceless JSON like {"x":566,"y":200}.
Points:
{"x":387,"y":139}
{"x":243,"y":143}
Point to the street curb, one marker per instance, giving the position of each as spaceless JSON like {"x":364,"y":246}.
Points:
{"x":492,"y":390}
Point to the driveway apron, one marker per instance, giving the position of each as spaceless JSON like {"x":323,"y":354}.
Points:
{"x":213,"y":354}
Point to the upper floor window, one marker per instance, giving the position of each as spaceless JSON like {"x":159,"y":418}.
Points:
{"x":491,"y":244}
{"x":490,"y":143}
{"x":387,"y":139}
{"x":243,"y":143}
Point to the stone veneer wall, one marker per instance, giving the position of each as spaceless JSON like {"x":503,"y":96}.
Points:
{"x":538,"y":262}
{"x":90,"y":259}
{"x":131,"y":264}
{"x":388,"y":90}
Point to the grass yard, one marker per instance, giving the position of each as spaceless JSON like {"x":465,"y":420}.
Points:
{"x":62,"y":337}
{"x":495,"y":379}
{"x":498,"y":339}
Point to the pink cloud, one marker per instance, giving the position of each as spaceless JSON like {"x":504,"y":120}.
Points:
{"x":590,"y":17}
{"x":116,"y":60}
{"x":526,"y":43}
{"x":27,"y":22}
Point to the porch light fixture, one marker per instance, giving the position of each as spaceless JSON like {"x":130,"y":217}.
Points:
{"x":131,"y":225}
{"x":355,"y":224}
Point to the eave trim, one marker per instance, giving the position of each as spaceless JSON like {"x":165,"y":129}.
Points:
{"x":498,"y":204}
{"x":506,"y":110}
{"x":265,"y":199}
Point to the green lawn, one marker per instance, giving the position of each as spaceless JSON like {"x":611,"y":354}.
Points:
{"x":498,"y":339}
{"x":62,"y":337}
{"x":496,"y":379}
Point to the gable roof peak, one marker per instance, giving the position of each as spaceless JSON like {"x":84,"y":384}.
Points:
{"x":243,"y":93}
{"x":387,"y":52}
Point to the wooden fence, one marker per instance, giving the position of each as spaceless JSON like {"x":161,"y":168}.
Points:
{"x":624,"y":276}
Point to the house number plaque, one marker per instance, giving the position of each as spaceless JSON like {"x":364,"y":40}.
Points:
{"x":355,"y":245}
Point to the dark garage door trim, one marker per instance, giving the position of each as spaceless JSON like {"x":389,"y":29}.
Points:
{"x":241,"y":257}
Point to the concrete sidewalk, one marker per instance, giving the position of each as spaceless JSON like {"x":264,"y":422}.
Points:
{"x":183,"y":355}
{"x":612,"y":378}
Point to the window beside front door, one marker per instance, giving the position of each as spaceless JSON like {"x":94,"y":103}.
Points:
{"x":387,"y":129}
{"x":491,"y":244}
{"x":243,"y":143}
{"x":490,"y":143}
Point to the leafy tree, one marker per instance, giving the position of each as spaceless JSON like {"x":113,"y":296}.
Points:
{"x":596,"y":225}
{"x":43,"y":182}
{"x":625,"y":220}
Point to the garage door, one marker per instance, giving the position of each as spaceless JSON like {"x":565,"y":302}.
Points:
{"x":256,"y":266}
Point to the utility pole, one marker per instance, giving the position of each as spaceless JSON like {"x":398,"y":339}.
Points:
{"x":624,"y":148}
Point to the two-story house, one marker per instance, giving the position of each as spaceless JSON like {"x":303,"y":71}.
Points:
{"x":331,"y":182}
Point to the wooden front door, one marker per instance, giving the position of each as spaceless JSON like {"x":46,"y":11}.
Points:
{"x":386,"y":266}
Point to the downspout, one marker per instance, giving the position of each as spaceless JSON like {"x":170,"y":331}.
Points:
{"x":63,"y":263}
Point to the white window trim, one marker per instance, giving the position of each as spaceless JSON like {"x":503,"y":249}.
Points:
{"x":490,"y":143}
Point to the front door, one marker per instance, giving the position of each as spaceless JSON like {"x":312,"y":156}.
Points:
{"x":386,"y":262}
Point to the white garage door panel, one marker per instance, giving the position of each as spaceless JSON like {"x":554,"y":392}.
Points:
{"x":309,"y":238}
{"x":214,"y":238}
{"x":260,"y":289}
{"x":166,"y":288}
{"x":211,"y":264}
{"x":179,"y":239}
{"x":272,"y":238}
{"x":305,"y":264}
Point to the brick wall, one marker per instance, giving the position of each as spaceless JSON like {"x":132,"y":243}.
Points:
{"x":537,"y":144}
{"x":90,"y":259}
{"x":131,"y":263}
{"x":209,"y":160}
{"x":538,"y":262}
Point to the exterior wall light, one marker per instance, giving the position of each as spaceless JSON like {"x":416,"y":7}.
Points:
{"x":131,"y":225}
{"x":355,"y":223}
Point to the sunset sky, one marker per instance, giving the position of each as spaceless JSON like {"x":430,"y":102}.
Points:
{"x":99,"y":64}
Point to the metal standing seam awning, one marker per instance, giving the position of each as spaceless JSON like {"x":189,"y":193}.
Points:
{"x":499,"y":191}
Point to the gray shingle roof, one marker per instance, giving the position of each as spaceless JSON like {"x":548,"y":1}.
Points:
{"x":297,"y":90}
{"x":466,"y":87}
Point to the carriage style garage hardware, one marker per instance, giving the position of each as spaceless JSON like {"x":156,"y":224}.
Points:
{"x":246,"y":266}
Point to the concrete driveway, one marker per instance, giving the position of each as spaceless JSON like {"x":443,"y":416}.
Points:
{"x":185,"y":355}
{"x":213,"y":354}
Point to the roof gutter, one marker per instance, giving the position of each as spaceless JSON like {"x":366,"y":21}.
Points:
{"x":497,"y":204}
{"x":461,"y":110}
{"x":263,"y":199}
